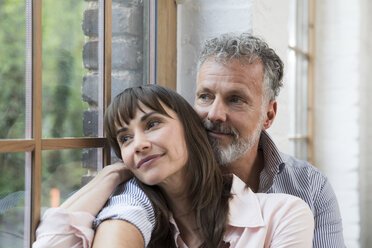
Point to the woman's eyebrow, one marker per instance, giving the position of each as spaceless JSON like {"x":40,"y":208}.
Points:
{"x":124,"y":129}
{"x":145,"y":116}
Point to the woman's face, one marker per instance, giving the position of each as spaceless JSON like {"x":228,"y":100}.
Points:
{"x":153,"y":146}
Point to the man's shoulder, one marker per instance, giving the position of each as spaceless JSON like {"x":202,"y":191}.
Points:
{"x":300,"y":178}
{"x":301,"y":169}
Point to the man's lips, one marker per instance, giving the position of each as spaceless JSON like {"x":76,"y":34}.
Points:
{"x":146,"y":161}
{"x":217,"y":134}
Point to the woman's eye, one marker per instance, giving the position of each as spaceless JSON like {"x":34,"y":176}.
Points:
{"x":124,"y":139}
{"x":153,"y":124}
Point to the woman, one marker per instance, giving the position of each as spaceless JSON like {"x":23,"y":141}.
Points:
{"x":163,"y":143}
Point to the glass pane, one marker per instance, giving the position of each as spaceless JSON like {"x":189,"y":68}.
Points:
{"x":130,"y":45}
{"x":70,"y":62}
{"x":64,"y":172}
{"x":292,"y":23}
{"x":12,"y":68}
{"x":301,"y":95}
{"x":12,"y":199}
{"x":300,"y":149}
{"x":291,"y":84}
{"x":302,"y":25}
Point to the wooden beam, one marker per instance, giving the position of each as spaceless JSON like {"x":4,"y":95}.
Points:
{"x":17,"y":145}
{"x":299,"y":51}
{"x":72,"y":143}
{"x":167,"y":44}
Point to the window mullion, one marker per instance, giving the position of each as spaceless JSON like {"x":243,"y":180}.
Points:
{"x":106,"y":85}
{"x":311,"y":49}
{"x":166,"y":66}
{"x":36,"y":114}
{"x":28,"y":158}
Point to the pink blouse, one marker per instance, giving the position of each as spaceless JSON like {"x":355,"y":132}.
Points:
{"x":63,"y":229}
{"x":264,"y":220}
{"x":255,"y":220}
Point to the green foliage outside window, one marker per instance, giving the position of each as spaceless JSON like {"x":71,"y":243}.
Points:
{"x":63,"y":108}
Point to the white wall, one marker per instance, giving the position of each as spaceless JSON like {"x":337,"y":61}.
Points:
{"x":337,"y":105}
{"x":366,"y":124}
{"x":270,"y":21}
{"x":199,"y":20}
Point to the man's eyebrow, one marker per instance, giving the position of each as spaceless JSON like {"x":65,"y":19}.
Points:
{"x":237,"y":92}
{"x":204,"y":89}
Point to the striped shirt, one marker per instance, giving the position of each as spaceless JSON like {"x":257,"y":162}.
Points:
{"x":285,"y":174}
{"x":281,"y":174}
{"x":128,"y":202}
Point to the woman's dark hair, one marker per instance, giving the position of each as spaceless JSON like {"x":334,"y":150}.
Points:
{"x":207,"y":188}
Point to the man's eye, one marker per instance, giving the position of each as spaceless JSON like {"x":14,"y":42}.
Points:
{"x":204,"y":97}
{"x":236,"y":100}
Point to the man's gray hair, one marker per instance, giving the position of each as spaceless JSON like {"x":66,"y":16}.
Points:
{"x":246,"y":48}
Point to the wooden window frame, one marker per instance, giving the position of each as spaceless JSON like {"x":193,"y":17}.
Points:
{"x":167,"y":44}
{"x":309,"y":55}
{"x":34,"y":144}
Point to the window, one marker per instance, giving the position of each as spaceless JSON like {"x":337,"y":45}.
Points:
{"x":61,"y":61}
{"x":300,"y":77}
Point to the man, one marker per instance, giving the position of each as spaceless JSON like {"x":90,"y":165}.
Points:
{"x":238,"y":80}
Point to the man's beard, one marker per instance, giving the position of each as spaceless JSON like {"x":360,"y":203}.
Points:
{"x":239,"y":145}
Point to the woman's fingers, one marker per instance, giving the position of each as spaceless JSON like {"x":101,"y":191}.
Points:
{"x":119,"y":168}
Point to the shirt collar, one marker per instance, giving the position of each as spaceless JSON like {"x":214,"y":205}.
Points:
{"x":274,"y":161}
{"x":244,"y":207}
{"x":242,"y":199}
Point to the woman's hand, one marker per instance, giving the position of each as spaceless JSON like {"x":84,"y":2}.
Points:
{"x":94,"y":194}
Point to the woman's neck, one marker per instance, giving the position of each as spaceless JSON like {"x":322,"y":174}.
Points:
{"x":184,"y":217}
{"x":189,"y":231}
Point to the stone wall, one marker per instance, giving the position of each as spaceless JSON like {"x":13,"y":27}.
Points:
{"x":127,"y":60}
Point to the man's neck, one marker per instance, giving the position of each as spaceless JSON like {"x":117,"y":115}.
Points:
{"x":248,"y":167}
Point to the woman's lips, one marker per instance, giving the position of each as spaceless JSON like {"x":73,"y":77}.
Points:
{"x":146,"y":161}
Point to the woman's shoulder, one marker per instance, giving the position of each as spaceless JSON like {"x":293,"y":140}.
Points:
{"x":278,"y":206}
{"x":280,"y":198}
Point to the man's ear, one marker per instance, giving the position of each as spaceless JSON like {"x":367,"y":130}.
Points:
{"x":270,"y":113}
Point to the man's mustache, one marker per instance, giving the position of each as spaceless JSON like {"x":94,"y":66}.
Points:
{"x":220,"y":128}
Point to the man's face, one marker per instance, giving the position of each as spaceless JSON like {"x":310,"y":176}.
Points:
{"x":229,"y":101}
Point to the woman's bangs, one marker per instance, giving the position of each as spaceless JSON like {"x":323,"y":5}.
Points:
{"x":129,"y":102}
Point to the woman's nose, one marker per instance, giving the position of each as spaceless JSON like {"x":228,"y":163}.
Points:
{"x":141,"y":143}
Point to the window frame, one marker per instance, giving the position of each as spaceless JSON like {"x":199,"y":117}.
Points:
{"x":163,"y":61}
{"x":308,"y":54}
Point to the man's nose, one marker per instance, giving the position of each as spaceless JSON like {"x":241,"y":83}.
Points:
{"x":141,"y":143}
{"x":217,"y":112}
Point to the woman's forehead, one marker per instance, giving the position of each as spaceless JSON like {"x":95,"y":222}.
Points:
{"x":142,"y":109}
